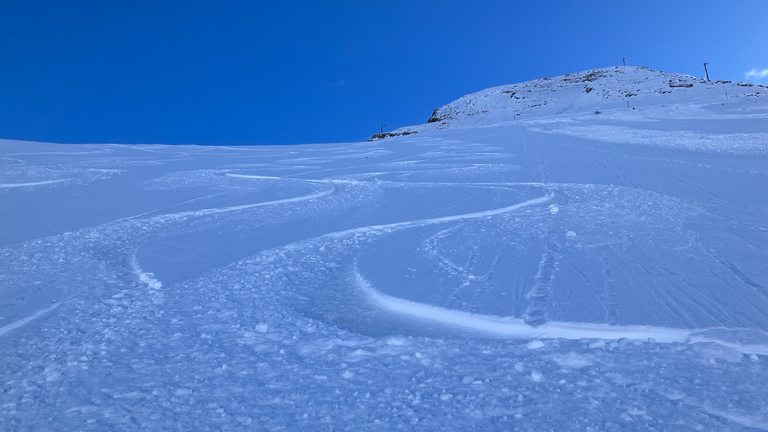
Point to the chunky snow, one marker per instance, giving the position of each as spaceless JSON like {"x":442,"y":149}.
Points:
{"x":557,"y":269}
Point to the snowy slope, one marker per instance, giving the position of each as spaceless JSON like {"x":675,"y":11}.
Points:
{"x":557,"y":270}
{"x":589,"y":91}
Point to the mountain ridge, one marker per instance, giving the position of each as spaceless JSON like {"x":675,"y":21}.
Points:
{"x":590,"y":91}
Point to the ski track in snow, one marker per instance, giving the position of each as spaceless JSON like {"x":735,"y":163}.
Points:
{"x":15,"y":185}
{"x":520,"y":329}
{"x":572,"y":244}
{"x":210,"y":211}
{"x":14,"y":325}
{"x":515,"y":328}
{"x":534,"y":325}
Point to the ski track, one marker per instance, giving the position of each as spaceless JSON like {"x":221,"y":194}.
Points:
{"x":520,"y":329}
{"x":15,"y":185}
{"x":210,"y":211}
{"x":13,"y":160}
{"x":440,"y":220}
{"x":538,"y":297}
{"x":14,"y":325}
{"x":215,"y":210}
{"x":535,"y":323}
{"x":239,"y":328}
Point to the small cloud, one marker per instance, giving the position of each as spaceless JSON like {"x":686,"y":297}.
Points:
{"x":754,"y":73}
{"x":341,"y":83}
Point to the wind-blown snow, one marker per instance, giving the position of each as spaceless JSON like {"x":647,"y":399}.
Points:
{"x":552,"y":270}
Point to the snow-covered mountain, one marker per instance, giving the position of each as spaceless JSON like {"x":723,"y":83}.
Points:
{"x":582,"y":93}
{"x":557,"y":269}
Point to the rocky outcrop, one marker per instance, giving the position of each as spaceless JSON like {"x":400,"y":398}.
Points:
{"x":390,"y":134}
{"x":435,"y":116}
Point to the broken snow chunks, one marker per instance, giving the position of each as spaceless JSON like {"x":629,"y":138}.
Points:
{"x":396,"y":340}
{"x":570,"y":234}
{"x":597,"y":344}
{"x":553,"y":209}
{"x":715,"y":352}
{"x":262,"y":327}
{"x":535,"y":344}
{"x":536,"y":375}
{"x":573,"y":360}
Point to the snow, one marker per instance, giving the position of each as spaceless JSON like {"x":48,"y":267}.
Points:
{"x":536,"y":375}
{"x":517,"y":328}
{"x":12,"y":185}
{"x":551,"y":270}
{"x":12,"y":326}
{"x":623,"y":93}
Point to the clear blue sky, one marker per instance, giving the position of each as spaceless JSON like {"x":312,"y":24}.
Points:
{"x":256,"y":72}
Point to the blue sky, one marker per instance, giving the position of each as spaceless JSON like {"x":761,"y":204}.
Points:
{"x":307,"y":71}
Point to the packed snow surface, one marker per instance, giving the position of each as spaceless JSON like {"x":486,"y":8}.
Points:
{"x":518,"y":264}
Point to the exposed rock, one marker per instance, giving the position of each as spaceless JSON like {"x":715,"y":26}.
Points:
{"x":390,"y":134}
{"x":435,"y":117}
